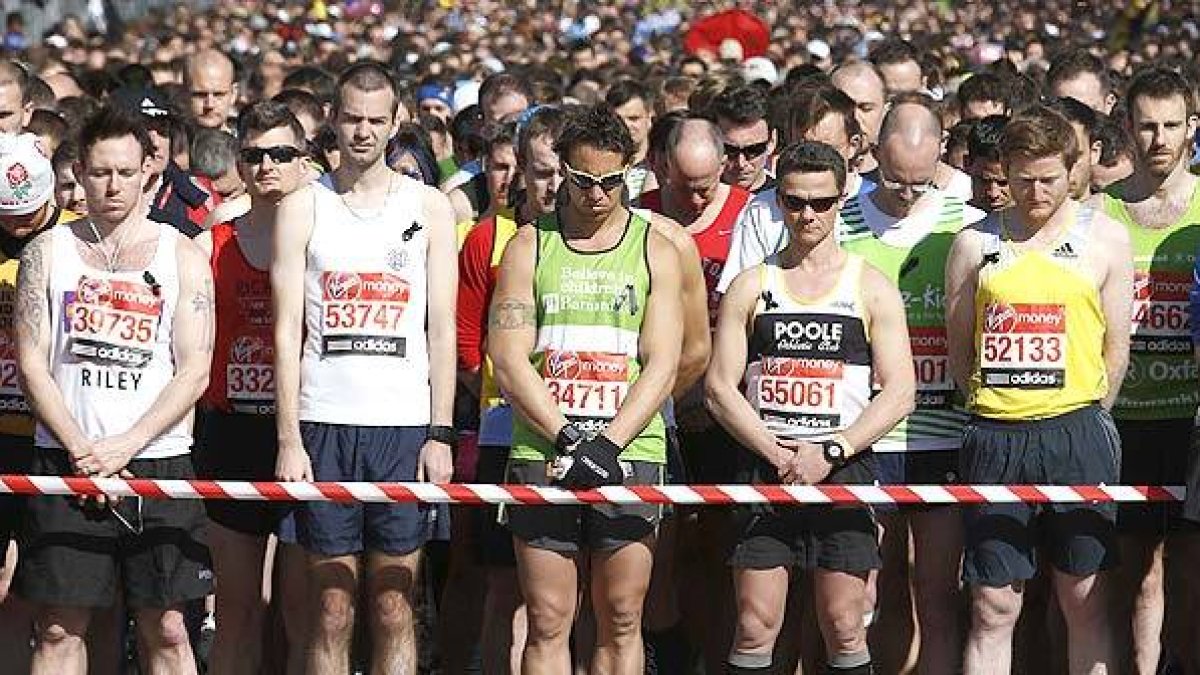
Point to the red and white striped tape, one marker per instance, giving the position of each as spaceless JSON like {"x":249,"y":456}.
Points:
{"x":456,"y":493}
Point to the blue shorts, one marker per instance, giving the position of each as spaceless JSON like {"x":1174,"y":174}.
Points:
{"x":376,"y":454}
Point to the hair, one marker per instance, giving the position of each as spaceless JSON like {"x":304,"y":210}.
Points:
{"x":710,"y":87}
{"x":812,"y":157}
{"x":263,"y":116}
{"x":321,"y":83}
{"x":742,"y":105}
{"x":497,"y":136}
{"x":690,"y":60}
{"x":109,"y":123}
{"x":959,"y":135}
{"x":895,"y":50}
{"x":676,"y":86}
{"x":982,"y":87}
{"x":367,"y":76}
{"x":135,"y":75}
{"x":466,"y":129}
{"x":544,"y":121}
{"x":45,"y":123}
{"x":599,"y":127}
{"x":1114,"y":140}
{"x":213,"y":153}
{"x":301,"y":101}
{"x":1075,"y":112}
{"x":661,"y":131}
{"x":1159,"y":83}
{"x":413,"y":139}
{"x":712,"y":134}
{"x":41,"y":95}
{"x":856,"y":66}
{"x":625,"y":90}
{"x":812,"y":104}
{"x":67,"y":153}
{"x":1075,"y":62}
{"x":499,"y":84}
{"x":1038,"y":132}
{"x":77,"y":109}
{"x":983,"y":143}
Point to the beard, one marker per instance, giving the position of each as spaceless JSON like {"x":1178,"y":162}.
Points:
{"x":1162,"y":161}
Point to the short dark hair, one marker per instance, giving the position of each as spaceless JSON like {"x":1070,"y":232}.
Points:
{"x":109,"y":123}
{"x":319,"y":81}
{"x":46,"y":123}
{"x":1075,"y":62}
{"x":263,"y":116}
{"x":413,"y":139}
{"x":546,"y":120}
{"x":599,"y":127}
{"x":499,"y":84}
{"x":367,"y":76}
{"x":1037,"y":132}
{"x":744,"y":104}
{"x":958,"y":136}
{"x":41,"y":95}
{"x":983,"y":143}
{"x":498,"y":135}
{"x":982,"y":87}
{"x":466,"y":129}
{"x":812,"y":157}
{"x":213,"y":152}
{"x":66,"y":153}
{"x":812,"y":104}
{"x":1075,"y":112}
{"x":1114,"y":140}
{"x":894,"y":50}
{"x":662,"y":129}
{"x":625,"y":90}
{"x":302,"y":101}
{"x":1160,"y":83}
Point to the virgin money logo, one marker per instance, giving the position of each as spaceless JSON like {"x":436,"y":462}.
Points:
{"x":249,"y":349}
{"x":94,"y":291}
{"x":1141,"y":286}
{"x":342,"y":285}
{"x":999,"y":318}
{"x":779,"y":367}
{"x":563,"y":365}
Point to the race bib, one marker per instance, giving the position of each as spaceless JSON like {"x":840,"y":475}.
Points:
{"x":12,"y":399}
{"x":931,"y":366}
{"x":589,"y":387}
{"x":112,"y":321}
{"x":1024,"y":346}
{"x":361,"y":313}
{"x":250,"y":376}
{"x":800,"y":392}
{"x":1161,"y":322}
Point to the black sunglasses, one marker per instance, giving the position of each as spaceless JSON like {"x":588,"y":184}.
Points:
{"x":586,"y":181}
{"x":279,"y":154}
{"x":796,"y":204}
{"x":748,"y":151}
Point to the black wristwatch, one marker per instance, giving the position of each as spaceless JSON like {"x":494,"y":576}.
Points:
{"x":443,"y":434}
{"x":568,"y":437}
{"x":836,"y":451}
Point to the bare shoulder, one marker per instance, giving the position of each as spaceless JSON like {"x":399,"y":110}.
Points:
{"x":747,"y":285}
{"x":1109,"y":230}
{"x":876,"y":285}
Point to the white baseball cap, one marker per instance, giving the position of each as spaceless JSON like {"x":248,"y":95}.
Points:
{"x":760,"y":68}
{"x":26,"y":176}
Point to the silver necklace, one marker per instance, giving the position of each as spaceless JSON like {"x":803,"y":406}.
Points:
{"x":110,"y":259}
{"x":367,"y":215}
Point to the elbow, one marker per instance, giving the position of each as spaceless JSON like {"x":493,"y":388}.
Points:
{"x":906,"y":399}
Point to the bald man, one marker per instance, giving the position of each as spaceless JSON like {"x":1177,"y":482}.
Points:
{"x":15,"y":105}
{"x":63,"y":85}
{"x":905,"y":227}
{"x":863,"y":83}
{"x":212,"y":88}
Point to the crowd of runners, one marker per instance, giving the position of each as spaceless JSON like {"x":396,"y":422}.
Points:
{"x":547,"y":244}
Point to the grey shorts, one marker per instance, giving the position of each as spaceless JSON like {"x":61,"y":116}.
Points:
{"x":570,"y":529}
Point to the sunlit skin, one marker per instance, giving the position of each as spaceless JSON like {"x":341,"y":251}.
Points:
{"x":989,"y":185}
{"x":741,"y":170}
{"x":977,"y":110}
{"x":637,"y":116}
{"x":269,"y":181}
{"x":437,"y":108}
{"x":14,"y":114}
{"x":865,"y":88}
{"x":1087,"y":89}
{"x":1081,"y":170}
{"x":68,"y":191}
{"x":505,"y":108}
{"x":693,"y":181}
{"x":1162,"y":133}
{"x":903,"y":77}
{"x":591,"y":208}
{"x":500,"y":168}
{"x":23,"y":226}
{"x":1039,"y":187}
{"x":211,"y":90}
{"x":912,"y":168}
{"x":831,"y":130}
{"x":808,"y":227}
{"x":112,"y":175}
{"x":364,"y":123}
{"x":543,"y":175}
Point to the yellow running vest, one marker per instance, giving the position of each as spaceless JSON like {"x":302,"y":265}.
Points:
{"x":1039,"y":327}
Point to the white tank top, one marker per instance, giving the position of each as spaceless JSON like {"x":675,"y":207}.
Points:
{"x":365,"y":360}
{"x":110,"y":350}
{"x":808,"y":371}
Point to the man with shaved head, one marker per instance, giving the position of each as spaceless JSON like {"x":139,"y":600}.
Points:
{"x":905,"y":227}
{"x":15,"y":105}
{"x":864,"y":84}
{"x":63,"y":85}
{"x":212,"y":88}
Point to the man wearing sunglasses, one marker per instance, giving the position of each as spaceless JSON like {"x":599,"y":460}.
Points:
{"x":741,"y":114}
{"x":585,"y":334}
{"x":904,"y":227}
{"x":818,"y":336}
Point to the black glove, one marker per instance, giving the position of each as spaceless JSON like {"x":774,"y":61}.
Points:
{"x":595,"y":464}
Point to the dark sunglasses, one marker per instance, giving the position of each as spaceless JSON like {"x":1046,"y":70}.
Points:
{"x":586,"y":181}
{"x":748,"y":151}
{"x":796,"y":204}
{"x":279,"y":154}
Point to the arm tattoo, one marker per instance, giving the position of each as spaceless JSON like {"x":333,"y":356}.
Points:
{"x":512,"y":314}
{"x":31,"y":288}
{"x":203,"y":305}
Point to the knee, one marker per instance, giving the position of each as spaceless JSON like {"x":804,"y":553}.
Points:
{"x":393,"y":611}
{"x":756,"y":630}
{"x":171,"y":631}
{"x":58,"y":635}
{"x":335,"y":614}
{"x":844,"y":629}
{"x":621,"y":618}
{"x":549,"y":619}
{"x":995,"y":610}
